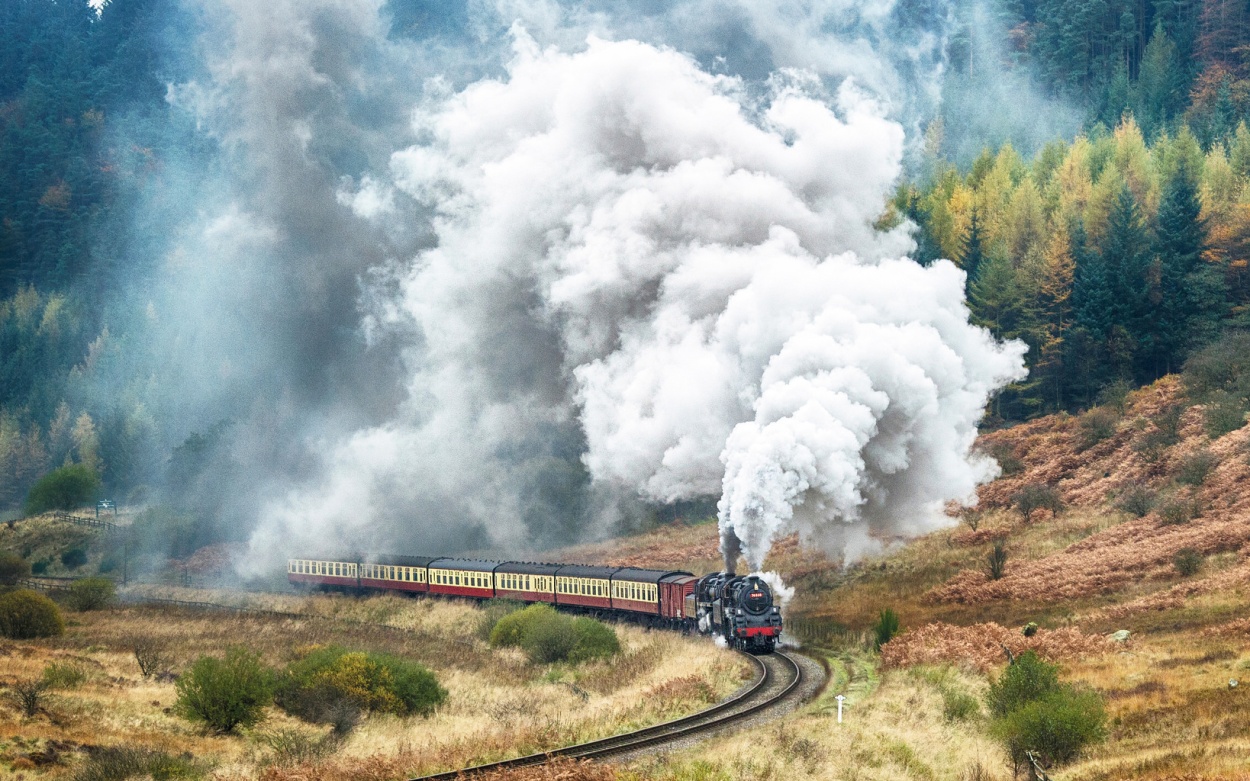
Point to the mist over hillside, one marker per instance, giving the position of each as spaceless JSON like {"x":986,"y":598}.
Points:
{"x":353,"y":271}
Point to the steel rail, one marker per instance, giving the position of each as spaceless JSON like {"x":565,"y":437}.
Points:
{"x":715,"y":717}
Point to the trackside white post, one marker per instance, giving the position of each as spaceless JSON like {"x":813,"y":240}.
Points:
{"x":840,"y":698}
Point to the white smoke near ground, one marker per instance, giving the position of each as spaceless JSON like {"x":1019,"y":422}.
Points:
{"x":682,"y":283}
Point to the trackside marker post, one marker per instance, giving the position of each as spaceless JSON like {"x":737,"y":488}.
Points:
{"x":840,"y":698}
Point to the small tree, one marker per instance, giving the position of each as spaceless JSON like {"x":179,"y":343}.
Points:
{"x":886,"y":627}
{"x":996,"y":561}
{"x":1097,"y":425}
{"x":26,"y":614}
{"x":1196,"y":468}
{"x":972,"y":517}
{"x":224,"y":694}
{"x":63,"y":489}
{"x":91,"y":594}
{"x":12,"y":568}
{"x":152,"y":655}
{"x":1037,"y":496}
{"x":1187,"y":562}
{"x":1138,"y":500}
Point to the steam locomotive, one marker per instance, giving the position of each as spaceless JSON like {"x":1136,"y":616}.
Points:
{"x":737,"y":608}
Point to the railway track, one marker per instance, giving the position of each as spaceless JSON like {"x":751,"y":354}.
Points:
{"x":779,"y":678}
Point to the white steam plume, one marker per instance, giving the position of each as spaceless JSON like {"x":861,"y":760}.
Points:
{"x":625,"y":249}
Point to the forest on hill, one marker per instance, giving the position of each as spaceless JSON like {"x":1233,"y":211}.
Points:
{"x":1113,"y":254}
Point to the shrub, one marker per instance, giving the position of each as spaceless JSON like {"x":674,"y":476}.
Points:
{"x":25,"y":614}
{"x":1224,"y":412}
{"x":1096,"y":425}
{"x":63,"y":675}
{"x":1187,"y":561}
{"x":1056,"y":728}
{"x":1115,"y":395}
{"x":547,"y":636}
{"x":1167,"y":432}
{"x":550,"y":639}
{"x":1037,"y":496}
{"x":886,"y":627}
{"x":120,"y":763}
{"x":510,"y":630}
{"x":492,"y":612}
{"x":12,"y":568}
{"x":1196,"y":468}
{"x":996,"y":561}
{"x":91,"y":594}
{"x":1025,"y":680}
{"x":959,"y":706}
{"x":1138,"y":500}
{"x":595,"y":640}
{"x":63,"y":489}
{"x":152,"y":655}
{"x":293,"y":747}
{"x":332,"y":685}
{"x":74,"y":558}
{"x":28,"y":695}
{"x":225,"y":693}
{"x":39,"y":567}
{"x":1177,"y":511}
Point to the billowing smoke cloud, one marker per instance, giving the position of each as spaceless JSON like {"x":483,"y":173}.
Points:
{"x":686,"y":290}
{"x":622,"y":255}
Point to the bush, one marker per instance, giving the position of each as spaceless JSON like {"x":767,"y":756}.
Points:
{"x":595,"y":640}
{"x":1095,"y":426}
{"x":1138,"y":500}
{"x":28,"y":695}
{"x":1026,"y":680}
{"x":91,"y":594}
{"x":1187,"y":561}
{"x":492,"y":612}
{"x":151,"y":654}
{"x":996,"y":561}
{"x":959,"y":706}
{"x":225,"y":693}
{"x":331,"y":685}
{"x":120,"y":763}
{"x":63,"y":489}
{"x":1167,"y":432}
{"x":886,"y":627}
{"x":1223,"y":413}
{"x":25,"y":614}
{"x":547,"y":636}
{"x":12,"y":568}
{"x":1037,"y":496}
{"x":74,"y":558}
{"x":63,"y":675}
{"x":39,"y":567}
{"x":1034,"y":712}
{"x":1196,"y":468}
{"x":1056,"y":728}
{"x":550,"y":639}
{"x":1177,"y":511}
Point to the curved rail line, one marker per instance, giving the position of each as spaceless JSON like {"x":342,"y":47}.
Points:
{"x":737,"y":708}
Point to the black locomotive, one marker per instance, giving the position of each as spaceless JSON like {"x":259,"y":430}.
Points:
{"x":738,"y":608}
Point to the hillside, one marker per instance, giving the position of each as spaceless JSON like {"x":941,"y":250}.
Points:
{"x":1082,"y":573}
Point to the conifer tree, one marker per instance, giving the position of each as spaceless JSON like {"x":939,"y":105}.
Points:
{"x":973,"y":253}
{"x":1180,"y":239}
{"x":1126,"y":261}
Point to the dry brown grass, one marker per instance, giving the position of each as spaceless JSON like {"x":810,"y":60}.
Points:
{"x":498,"y":706}
{"x":980,"y":646}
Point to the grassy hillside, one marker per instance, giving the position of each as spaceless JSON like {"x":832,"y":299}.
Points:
{"x":1141,"y":484}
